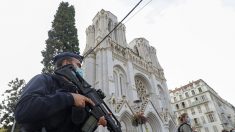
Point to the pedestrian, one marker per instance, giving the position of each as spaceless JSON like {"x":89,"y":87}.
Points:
{"x":49,"y":104}
{"x":185,"y":123}
{"x":232,"y":130}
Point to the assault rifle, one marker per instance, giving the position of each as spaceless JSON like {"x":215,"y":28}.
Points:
{"x":100,"y":109}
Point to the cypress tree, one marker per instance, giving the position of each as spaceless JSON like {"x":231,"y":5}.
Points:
{"x":62,"y":37}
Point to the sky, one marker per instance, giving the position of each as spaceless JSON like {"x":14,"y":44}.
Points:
{"x":194,"y":39}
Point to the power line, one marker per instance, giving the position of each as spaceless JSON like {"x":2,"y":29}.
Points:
{"x":137,"y":12}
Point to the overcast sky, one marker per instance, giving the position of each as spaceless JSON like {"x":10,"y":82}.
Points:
{"x":194,"y":39}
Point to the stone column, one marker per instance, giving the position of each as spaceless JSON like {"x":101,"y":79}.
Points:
{"x":155,"y":97}
{"x":167,"y":95}
{"x":123,"y":35}
{"x":89,"y":68}
{"x":118,"y":33}
{"x":110,"y":71}
{"x":98,"y":69}
{"x":131,"y":88}
{"x":90,"y":38}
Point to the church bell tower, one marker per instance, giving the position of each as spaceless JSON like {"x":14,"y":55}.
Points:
{"x":129,"y":74}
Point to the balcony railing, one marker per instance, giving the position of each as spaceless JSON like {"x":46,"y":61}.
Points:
{"x":192,"y":104}
{"x":199,"y":102}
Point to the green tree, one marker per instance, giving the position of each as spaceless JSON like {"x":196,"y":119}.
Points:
{"x":11,"y":96}
{"x":62,"y":36}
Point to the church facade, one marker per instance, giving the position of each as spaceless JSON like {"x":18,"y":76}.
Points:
{"x":130,"y":76}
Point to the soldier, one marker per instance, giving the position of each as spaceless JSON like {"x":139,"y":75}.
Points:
{"x":48,"y":104}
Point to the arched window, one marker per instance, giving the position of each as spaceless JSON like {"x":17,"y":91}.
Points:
{"x":97,"y":25}
{"x":177,"y":106}
{"x":183,"y":104}
{"x":120,"y":81}
{"x":186,"y":94}
{"x":136,"y":50}
{"x":110,"y":25}
{"x":193,"y":92}
{"x":116,"y":84}
{"x":121,"y":78}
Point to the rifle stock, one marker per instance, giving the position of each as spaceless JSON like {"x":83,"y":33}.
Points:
{"x":100,"y":109}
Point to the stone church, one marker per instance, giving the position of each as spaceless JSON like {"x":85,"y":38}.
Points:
{"x":129,"y":74}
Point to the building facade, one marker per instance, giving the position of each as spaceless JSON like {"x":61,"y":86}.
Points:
{"x":129,"y":74}
{"x":208,"y":111}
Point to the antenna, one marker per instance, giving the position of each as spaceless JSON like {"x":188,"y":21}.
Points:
{"x":91,"y":50}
